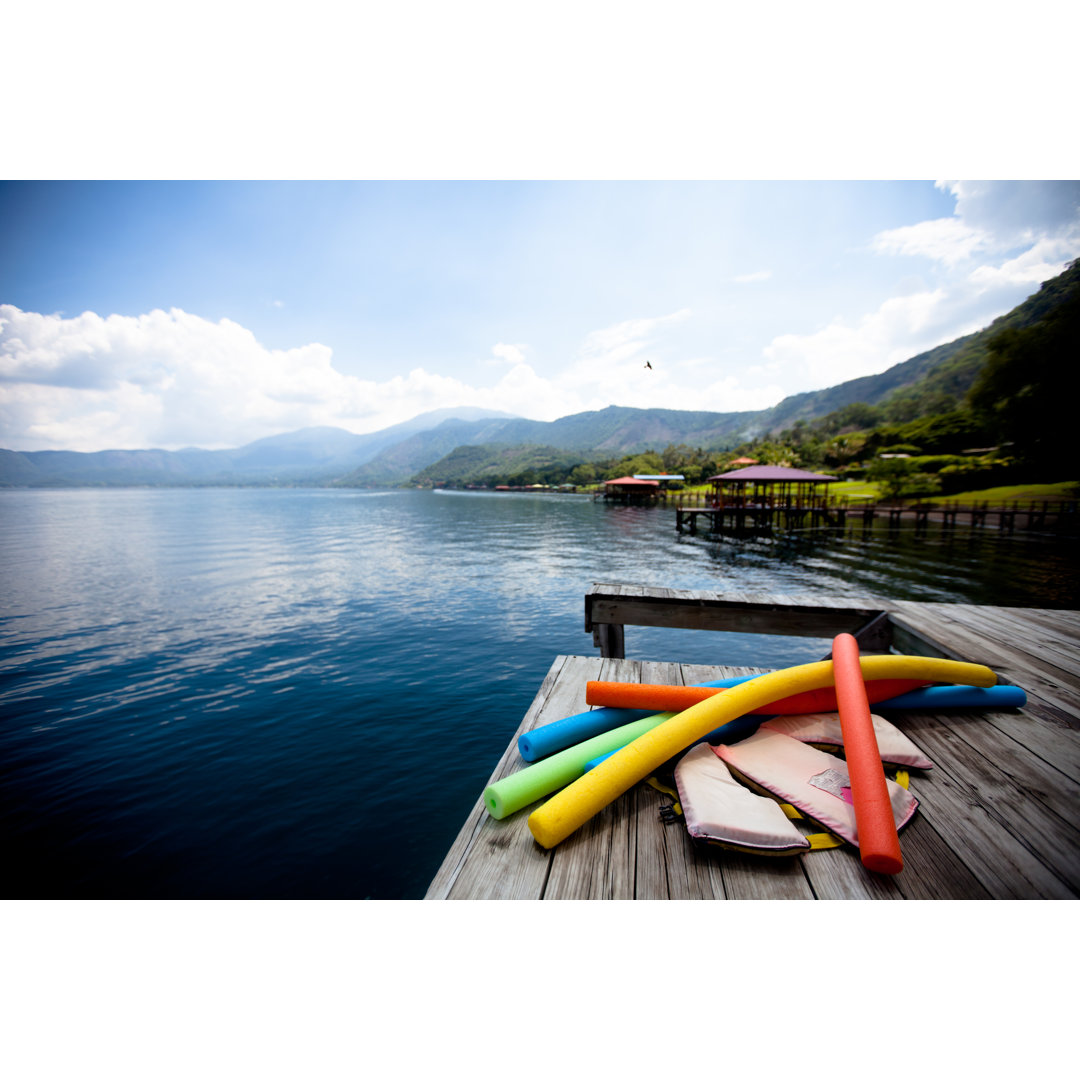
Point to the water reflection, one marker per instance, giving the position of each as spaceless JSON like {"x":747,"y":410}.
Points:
{"x":211,"y":692}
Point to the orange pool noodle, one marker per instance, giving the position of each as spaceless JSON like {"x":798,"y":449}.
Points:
{"x":659,"y":698}
{"x":879,"y":846}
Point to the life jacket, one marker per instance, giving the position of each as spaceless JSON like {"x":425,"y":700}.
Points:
{"x":746,"y":796}
{"x":823,"y":730}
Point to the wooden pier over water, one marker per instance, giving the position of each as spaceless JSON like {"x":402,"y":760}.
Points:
{"x":999,"y":814}
{"x":763,"y":520}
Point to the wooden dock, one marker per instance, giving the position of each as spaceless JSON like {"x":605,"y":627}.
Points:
{"x":999,"y":815}
{"x":1057,"y":517}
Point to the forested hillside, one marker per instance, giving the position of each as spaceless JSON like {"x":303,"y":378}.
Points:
{"x":987,"y":408}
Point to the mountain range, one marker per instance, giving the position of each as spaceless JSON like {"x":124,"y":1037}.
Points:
{"x":326,"y":455}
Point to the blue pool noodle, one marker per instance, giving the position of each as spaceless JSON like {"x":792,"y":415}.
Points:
{"x":929,"y":698}
{"x":559,"y":734}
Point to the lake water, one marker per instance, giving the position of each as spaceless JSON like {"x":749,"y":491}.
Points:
{"x":300,"y":693}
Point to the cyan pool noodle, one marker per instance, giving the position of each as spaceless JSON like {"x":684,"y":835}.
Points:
{"x":559,"y":734}
{"x":929,"y":698}
{"x":511,"y":793}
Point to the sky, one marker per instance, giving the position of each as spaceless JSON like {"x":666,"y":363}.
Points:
{"x":218,"y":223}
{"x":172,"y":314}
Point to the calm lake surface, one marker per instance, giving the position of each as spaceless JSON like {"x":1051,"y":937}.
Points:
{"x":301,"y":693}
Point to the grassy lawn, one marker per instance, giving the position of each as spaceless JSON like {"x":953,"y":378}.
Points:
{"x":861,"y":490}
{"x":1067,"y":489}
{"x":855,"y":490}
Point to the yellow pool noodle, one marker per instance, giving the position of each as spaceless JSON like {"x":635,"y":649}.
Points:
{"x":567,"y":811}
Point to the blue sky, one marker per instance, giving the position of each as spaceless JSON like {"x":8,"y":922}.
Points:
{"x":212,"y":313}
{"x":353,"y":215}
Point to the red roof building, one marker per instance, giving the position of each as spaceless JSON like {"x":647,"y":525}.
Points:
{"x":630,"y":489}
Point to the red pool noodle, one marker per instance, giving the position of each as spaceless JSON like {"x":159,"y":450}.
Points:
{"x":879,"y":846}
{"x":658,"y":698}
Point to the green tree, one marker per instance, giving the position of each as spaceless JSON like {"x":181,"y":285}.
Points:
{"x":899,"y":478}
{"x":1022,"y":392}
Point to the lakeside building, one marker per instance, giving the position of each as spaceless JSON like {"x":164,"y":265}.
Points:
{"x":629,"y":489}
{"x":770,"y":487}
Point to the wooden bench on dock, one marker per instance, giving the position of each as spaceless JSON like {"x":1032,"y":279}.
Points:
{"x":999,"y":815}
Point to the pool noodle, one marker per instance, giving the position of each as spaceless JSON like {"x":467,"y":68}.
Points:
{"x":511,"y":793}
{"x":569,"y":809}
{"x":930,"y":698}
{"x":677,"y":698}
{"x":879,"y":844}
{"x":559,"y":734}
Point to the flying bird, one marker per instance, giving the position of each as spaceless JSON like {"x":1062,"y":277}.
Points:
{"x":648,"y":365}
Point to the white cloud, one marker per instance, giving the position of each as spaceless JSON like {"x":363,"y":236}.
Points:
{"x":902,"y":327}
{"x":171,"y":379}
{"x":1043,"y":260}
{"x":613,"y":345}
{"x":1016,"y":213}
{"x":1028,"y":224}
{"x":946,"y":240}
{"x":757,"y":275}
{"x":509,"y":354}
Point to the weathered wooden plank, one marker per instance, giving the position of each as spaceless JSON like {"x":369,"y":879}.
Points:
{"x":1030,"y":800}
{"x":754,"y":877}
{"x":1000,"y":630}
{"x":995,"y":857}
{"x":1040,"y":644}
{"x":932,"y":870}
{"x":594,"y":862}
{"x":694,"y":674}
{"x":837,"y":874}
{"x":1050,"y":714}
{"x":1058,"y":621}
{"x":1055,"y":618}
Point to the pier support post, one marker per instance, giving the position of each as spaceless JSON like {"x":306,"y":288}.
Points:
{"x":610,"y":638}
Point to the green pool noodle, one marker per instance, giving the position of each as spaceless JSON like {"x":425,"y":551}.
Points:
{"x":511,"y":793}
